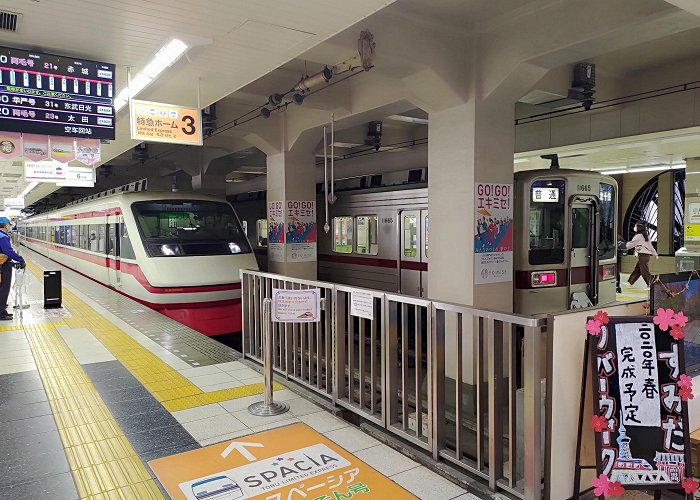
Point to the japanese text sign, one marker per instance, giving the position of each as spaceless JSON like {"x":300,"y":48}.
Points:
{"x":636,"y":370}
{"x":288,"y":463}
{"x":55,"y":95}
{"x":493,"y":233}
{"x":296,"y":306}
{"x":158,"y":122}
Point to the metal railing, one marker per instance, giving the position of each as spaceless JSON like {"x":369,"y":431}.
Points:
{"x":462,"y":383}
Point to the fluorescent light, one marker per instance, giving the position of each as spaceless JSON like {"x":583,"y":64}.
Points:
{"x":614,"y":172}
{"x":119,"y":104}
{"x":166,"y":56}
{"x":408,"y":119}
{"x":678,"y":165}
{"x":139,"y":83}
{"x":520,"y":160}
{"x":29,"y":189}
{"x":649,"y":169}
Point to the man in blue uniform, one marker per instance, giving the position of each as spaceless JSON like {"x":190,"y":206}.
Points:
{"x":6,"y":268}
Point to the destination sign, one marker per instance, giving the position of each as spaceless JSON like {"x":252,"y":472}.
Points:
{"x":56,"y":95}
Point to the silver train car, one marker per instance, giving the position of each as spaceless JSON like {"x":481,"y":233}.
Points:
{"x":564,"y":242}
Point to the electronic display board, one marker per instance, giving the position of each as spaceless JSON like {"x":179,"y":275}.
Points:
{"x":56,"y":95}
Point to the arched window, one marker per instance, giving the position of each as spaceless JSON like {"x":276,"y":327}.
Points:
{"x":645,"y":206}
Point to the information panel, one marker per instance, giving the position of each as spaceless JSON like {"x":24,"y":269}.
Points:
{"x":55,"y":95}
{"x":160,"y":122}
{"x":639,"y":392}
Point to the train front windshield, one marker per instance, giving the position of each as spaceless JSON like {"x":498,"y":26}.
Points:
{"x":181,"y":227}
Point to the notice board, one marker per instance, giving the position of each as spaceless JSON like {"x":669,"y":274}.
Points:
{"x":639,"y":390}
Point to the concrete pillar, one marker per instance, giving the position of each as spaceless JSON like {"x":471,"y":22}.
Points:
{"x":470,"y":143}
{"x":665,"y":223}
{"x":291,"y":191}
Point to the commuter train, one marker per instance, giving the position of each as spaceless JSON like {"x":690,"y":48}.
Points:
{"x":564,"y":239}
{"x":179,"y":254}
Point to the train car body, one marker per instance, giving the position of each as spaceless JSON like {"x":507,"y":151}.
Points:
{"x":177,"y":253}
{"x":565,"y":245}
{"x":564,"y":248}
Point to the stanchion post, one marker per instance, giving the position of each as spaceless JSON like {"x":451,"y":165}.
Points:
{"x":267,"y":407}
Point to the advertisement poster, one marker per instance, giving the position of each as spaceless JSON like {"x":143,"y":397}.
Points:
{"x":301,"y":231}
{"x":493,"y":233}
{"x":10,"y":145}
{"x":275,"y":231}
{"x":35,"y":147}
{"x":88,"y":151}
{"x":62,"y":149}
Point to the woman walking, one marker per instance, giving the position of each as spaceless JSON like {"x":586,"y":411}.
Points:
{"x":644,"y":250}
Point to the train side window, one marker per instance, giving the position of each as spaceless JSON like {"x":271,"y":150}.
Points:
{"x":607,"y":237}
{"x":244,"y":224}
{"x":366,"y":235}
{"x":75,"y":235}
{"x":126,"y":250}
{"x":101,"y":238}
{"x":546,"y":219}
{"x":410,"y":235}
{"x":261,"y":225}
{"x":343,"y":237}
{"x":580,"y":226}
{"x":92,"y":237}
{"x":83,"y":236}
{"x":62,"y":235}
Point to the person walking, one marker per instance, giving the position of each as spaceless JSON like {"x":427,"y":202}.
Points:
{"x":644,"y":250}
{"x":6,"y":267}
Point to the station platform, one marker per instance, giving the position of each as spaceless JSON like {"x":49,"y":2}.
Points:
{"x":94,"y":391}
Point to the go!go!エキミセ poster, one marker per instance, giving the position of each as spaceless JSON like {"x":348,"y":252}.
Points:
{"x":275,"y":230}
{"x":301,"y":231}
{"x":493,"y":233}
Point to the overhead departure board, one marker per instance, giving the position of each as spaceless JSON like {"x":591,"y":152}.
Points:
{"x":55,"y":95}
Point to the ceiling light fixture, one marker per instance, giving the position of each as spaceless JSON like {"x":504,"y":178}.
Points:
{"x":29,"y":189}
{"x":164,"y":58}
{"x":615,"y":172}
{"x":649,"y":169}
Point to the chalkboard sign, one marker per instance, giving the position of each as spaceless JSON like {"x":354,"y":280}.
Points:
{"x":639,"y":393}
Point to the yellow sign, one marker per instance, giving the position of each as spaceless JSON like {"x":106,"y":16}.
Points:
{"x":158,"y":122}
{"x":692,"y":232}
{"x":287,"y":463}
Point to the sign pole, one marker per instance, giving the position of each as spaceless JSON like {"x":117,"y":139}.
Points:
{"x":267,"y":407}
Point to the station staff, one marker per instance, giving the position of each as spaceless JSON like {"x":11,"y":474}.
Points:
{"x":6,"y":267}
{"x":644,"y":250}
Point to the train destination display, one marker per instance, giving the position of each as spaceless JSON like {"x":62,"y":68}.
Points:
{"x":56,"y":95}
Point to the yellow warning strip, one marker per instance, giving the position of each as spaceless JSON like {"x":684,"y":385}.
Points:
{"x":173,"y":390}
{"x":103,"y":463}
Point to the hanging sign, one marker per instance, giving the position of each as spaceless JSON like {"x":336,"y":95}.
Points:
{"x":35,"y":147}
{"x":10,"y":145}
{"x":493,"y":233}
{"x":159,"y":122}
{"x":62,"y":149}
{"x":44,"y":171}
{"x":292,"y":462}
{"x":296,"y":306}
{"x":14,"y":203}
{"x":78,"y":177}
{"x":640,"y":410}
{"x":88,"y":151}
{"x":275,"y":231}
{"x":301,"y":231}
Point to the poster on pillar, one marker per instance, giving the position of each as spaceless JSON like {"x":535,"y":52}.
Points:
{"x":275,"y":231}
{"x":493,"y":233}
{"x":301,"y":231}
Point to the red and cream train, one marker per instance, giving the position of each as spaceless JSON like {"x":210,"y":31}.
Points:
{"x":179,"y":254}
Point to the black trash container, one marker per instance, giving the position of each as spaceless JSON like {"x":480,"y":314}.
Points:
{"x":52,"y":289}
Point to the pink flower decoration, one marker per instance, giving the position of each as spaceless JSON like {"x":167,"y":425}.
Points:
{"x":602,"y":317}
{"x":677,"y":332}
{"x":690,"y":485}
{"x":599,"y":423}
{"x":664,"y":318}
{"x":601,"y":485}
{"x":680,"y":319}
{"x":616,"y":489}
{"x":593,"y":326}
{"x":685,"y":381}
{"x":685,"y":393}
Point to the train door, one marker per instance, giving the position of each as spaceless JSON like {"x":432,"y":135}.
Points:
{"x":583,"y":262}
{"x":113,"y":264}
{"x":413,"y":259}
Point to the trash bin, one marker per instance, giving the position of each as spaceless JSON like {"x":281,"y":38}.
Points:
{"x":52,"y":289}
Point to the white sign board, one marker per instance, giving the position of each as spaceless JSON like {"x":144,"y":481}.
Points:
{"x":44,"y":171}
{"x":78,"y":177}
{"x":694,"y":213}
{"x":545,"y":195}
{"x":296,"y":306}
{"x":14,"y":203}
{"x":362,"y":304}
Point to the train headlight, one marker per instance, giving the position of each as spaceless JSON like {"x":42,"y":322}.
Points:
{"x":234,"y":248}
{"x":544,"y":278}
{"x":166,"y":250}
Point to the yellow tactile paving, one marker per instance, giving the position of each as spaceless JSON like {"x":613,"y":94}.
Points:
{"x":173,"y":390}
{"x":102,"y":461}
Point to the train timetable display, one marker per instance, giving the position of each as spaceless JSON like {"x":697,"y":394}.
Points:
{"x":55,"y":95}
